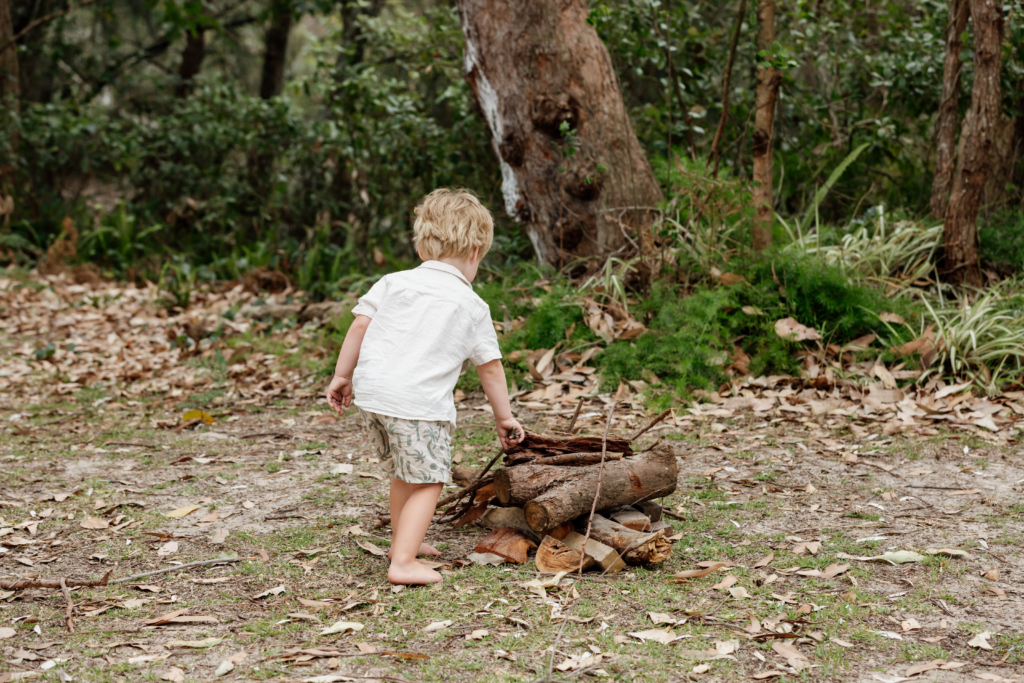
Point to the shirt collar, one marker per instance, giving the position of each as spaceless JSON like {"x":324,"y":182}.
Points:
{"x":446,"y":268}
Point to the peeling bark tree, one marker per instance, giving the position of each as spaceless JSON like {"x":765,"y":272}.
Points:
{"x":191,"y":60}
{"x":960,"y":234}
{"x":275,"y":48}
{"x":946,"y":124}
{"x":537,"y":70}
{"x":768,"y":79}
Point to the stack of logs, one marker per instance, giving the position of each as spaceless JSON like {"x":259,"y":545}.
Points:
{"x":542,"y":499}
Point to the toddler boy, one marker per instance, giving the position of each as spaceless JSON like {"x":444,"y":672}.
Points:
{"x":402,"y":357}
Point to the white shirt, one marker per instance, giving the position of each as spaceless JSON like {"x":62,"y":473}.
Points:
{"x":425,"y":323}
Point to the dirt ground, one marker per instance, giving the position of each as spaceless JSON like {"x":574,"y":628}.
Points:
{"x":96,"y":479}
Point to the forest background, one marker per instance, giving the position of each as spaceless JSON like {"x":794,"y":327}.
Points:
{"x":284,"y":143}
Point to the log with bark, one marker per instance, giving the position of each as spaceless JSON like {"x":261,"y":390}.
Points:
{"x":507,"y":543}
{"x":501,"y":518}
{"x":551,"y":496}
{"x":556,"y":445}
{"x":636,"y":547}
{"x":553,"y":556}
{"x":650,"y":508}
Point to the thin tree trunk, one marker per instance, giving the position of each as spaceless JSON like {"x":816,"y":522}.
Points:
{"x":726,"y":81}
{"x":572,"y":169}
{"x":768,"y":79}
{"x":276,"y":47}
{"x":10,"y":86}
{"x":960,"y":234}
{"x":191,"y":61}
{"x":946,"y":124}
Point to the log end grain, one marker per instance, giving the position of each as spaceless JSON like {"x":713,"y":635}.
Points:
{"x":553,"y":556}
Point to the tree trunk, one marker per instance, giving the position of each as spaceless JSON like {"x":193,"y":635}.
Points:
{"x":191,"y":61}
{"x":768,"y":79}
{"x":275,"y":49}
{"x":572,"y":169}
{"x":644,"y":477}
{"x":10,"y":86}
{"x":946,"y":124}
{"x":960,"y":234}
{"x":635,"y":547}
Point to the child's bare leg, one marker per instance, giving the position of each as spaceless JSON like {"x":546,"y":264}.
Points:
{"x":415,"y":504}
{"x":399,"y":496}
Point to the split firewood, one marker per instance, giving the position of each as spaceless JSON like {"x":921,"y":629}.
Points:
{"x":507,"y":543}
{"x":606,"y":557}
{"x":650,"y":508}
{"x":636,"y":547}
{"x":631,"y":518}
{"x":553,"y":556}
{"x":553,"y":495}
{"x":661,"y":526}
{"x":470,"y":515}
{"x":554,"y":445}
{"x":513,"y":518}
{"x":561,"y":531}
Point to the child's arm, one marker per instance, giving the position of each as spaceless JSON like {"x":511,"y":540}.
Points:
{"x":339,"y":394}
{"x":492,"y":377}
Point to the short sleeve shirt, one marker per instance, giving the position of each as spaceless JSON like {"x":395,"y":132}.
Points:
{"x":425,"y":323}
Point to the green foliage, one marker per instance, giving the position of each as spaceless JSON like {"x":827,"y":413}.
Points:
{"x":1002,"y":240}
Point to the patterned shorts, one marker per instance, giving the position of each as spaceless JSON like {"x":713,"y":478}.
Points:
{"x":415,"y":451}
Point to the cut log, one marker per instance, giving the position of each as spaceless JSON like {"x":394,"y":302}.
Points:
{"x":663,"y":527}
{"x":631,"y":518}
{"x":555,"y":445}
{"x":559,"y":494}
{"x":560,"y":531}
{"x":606,"y":557}
{"x":470,"y":515}
{"x":513,"y":518}
{"x":510,"y":544}
{"x":635,"y":547}
{"x":553,"y":556}
{"x":464,"y":475}
{"x":484,"y":495}
{"x":651,"y":509}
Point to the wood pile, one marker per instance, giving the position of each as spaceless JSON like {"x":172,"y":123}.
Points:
{"x":541,"y":500}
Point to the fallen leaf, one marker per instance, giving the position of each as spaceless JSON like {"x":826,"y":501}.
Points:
{"x":925,"y":666}
{"x":701,"y":668}
{"x":148,"y":587}
{"x":342,"y":627}
{"x":182,"y":512}
{"x":342,"y":468}
{"x":486,"y":558}
{"x":727,"y":647}
{"x":765,"y":561}
{"x":739,"y":592}
{"x":167,"y":548}
{"x":134,"y":603}
{"x":371,"y":548}
{"x":437,"y":626}
{"x":219,"y":536}
{"x":224,"y":669}
{"x":658,"y":618}
{"x":768,"y":674}
{"x":212,"y":517}
{"x":981,"y":641}
{"x":195,"y":644}
{"x":198,"y":415}
{"x":834,"y":570}
{"x":992,"y":574}
{"x":94,"y":523}
{"x":890,"y":679}
{"x":366,"y":648}
{"x":965,"y":492}
{"x":949,"y":552}
{"x":910,"y":625}
{"x":148,"y":659}
{"x":811,"y":547}
{"x":727,"y":582}
{"x":789,"y":328}
{"x":174,"y":675}
{"x":7,"y":632}
{"x":478,"y":634}
{"x":657,"y":635}
{"x":276,"y":590}
{"x":698,"y":573}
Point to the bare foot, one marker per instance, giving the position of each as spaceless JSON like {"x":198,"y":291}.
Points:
{"x":425,"y":549}
{"x":412,"y":574}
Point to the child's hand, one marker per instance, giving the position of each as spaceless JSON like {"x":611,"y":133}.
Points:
{"x":510,"y":432}
{"x":339,"y":394}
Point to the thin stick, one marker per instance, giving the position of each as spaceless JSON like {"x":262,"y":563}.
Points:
{"x":71,"y":605}
{"x":476,"y":484}
{"x":575,"y":414}
{"x":672,"y":514}
{"x":726,"y":80}
{"x":22,"y":584}
{"x":42,"y":20}
{"x":133,"y":577}
{"x":650,"y":426}
{"x":597,"y":493}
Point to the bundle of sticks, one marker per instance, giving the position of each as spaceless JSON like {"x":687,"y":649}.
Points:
{"x":543,"y":496}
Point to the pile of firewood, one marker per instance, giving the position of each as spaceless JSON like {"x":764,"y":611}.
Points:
{"x":543,"y":497}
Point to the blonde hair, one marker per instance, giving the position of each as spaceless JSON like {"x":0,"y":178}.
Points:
{"x":452,"y":223}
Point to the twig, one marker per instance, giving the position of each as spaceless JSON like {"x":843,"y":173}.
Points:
{"x":71,"y":605}
{"x":650,"y":426}
{"x":42,"y":20}
{"x":871,"y":464}
{"x":476,"y":484}
{"x":133,"y":577}
{"x":597,"y":492}
{"x":726,"y":80}
{"x":673,"y":514}
{"x":21,"y":584}
{"x":575,"y":414}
